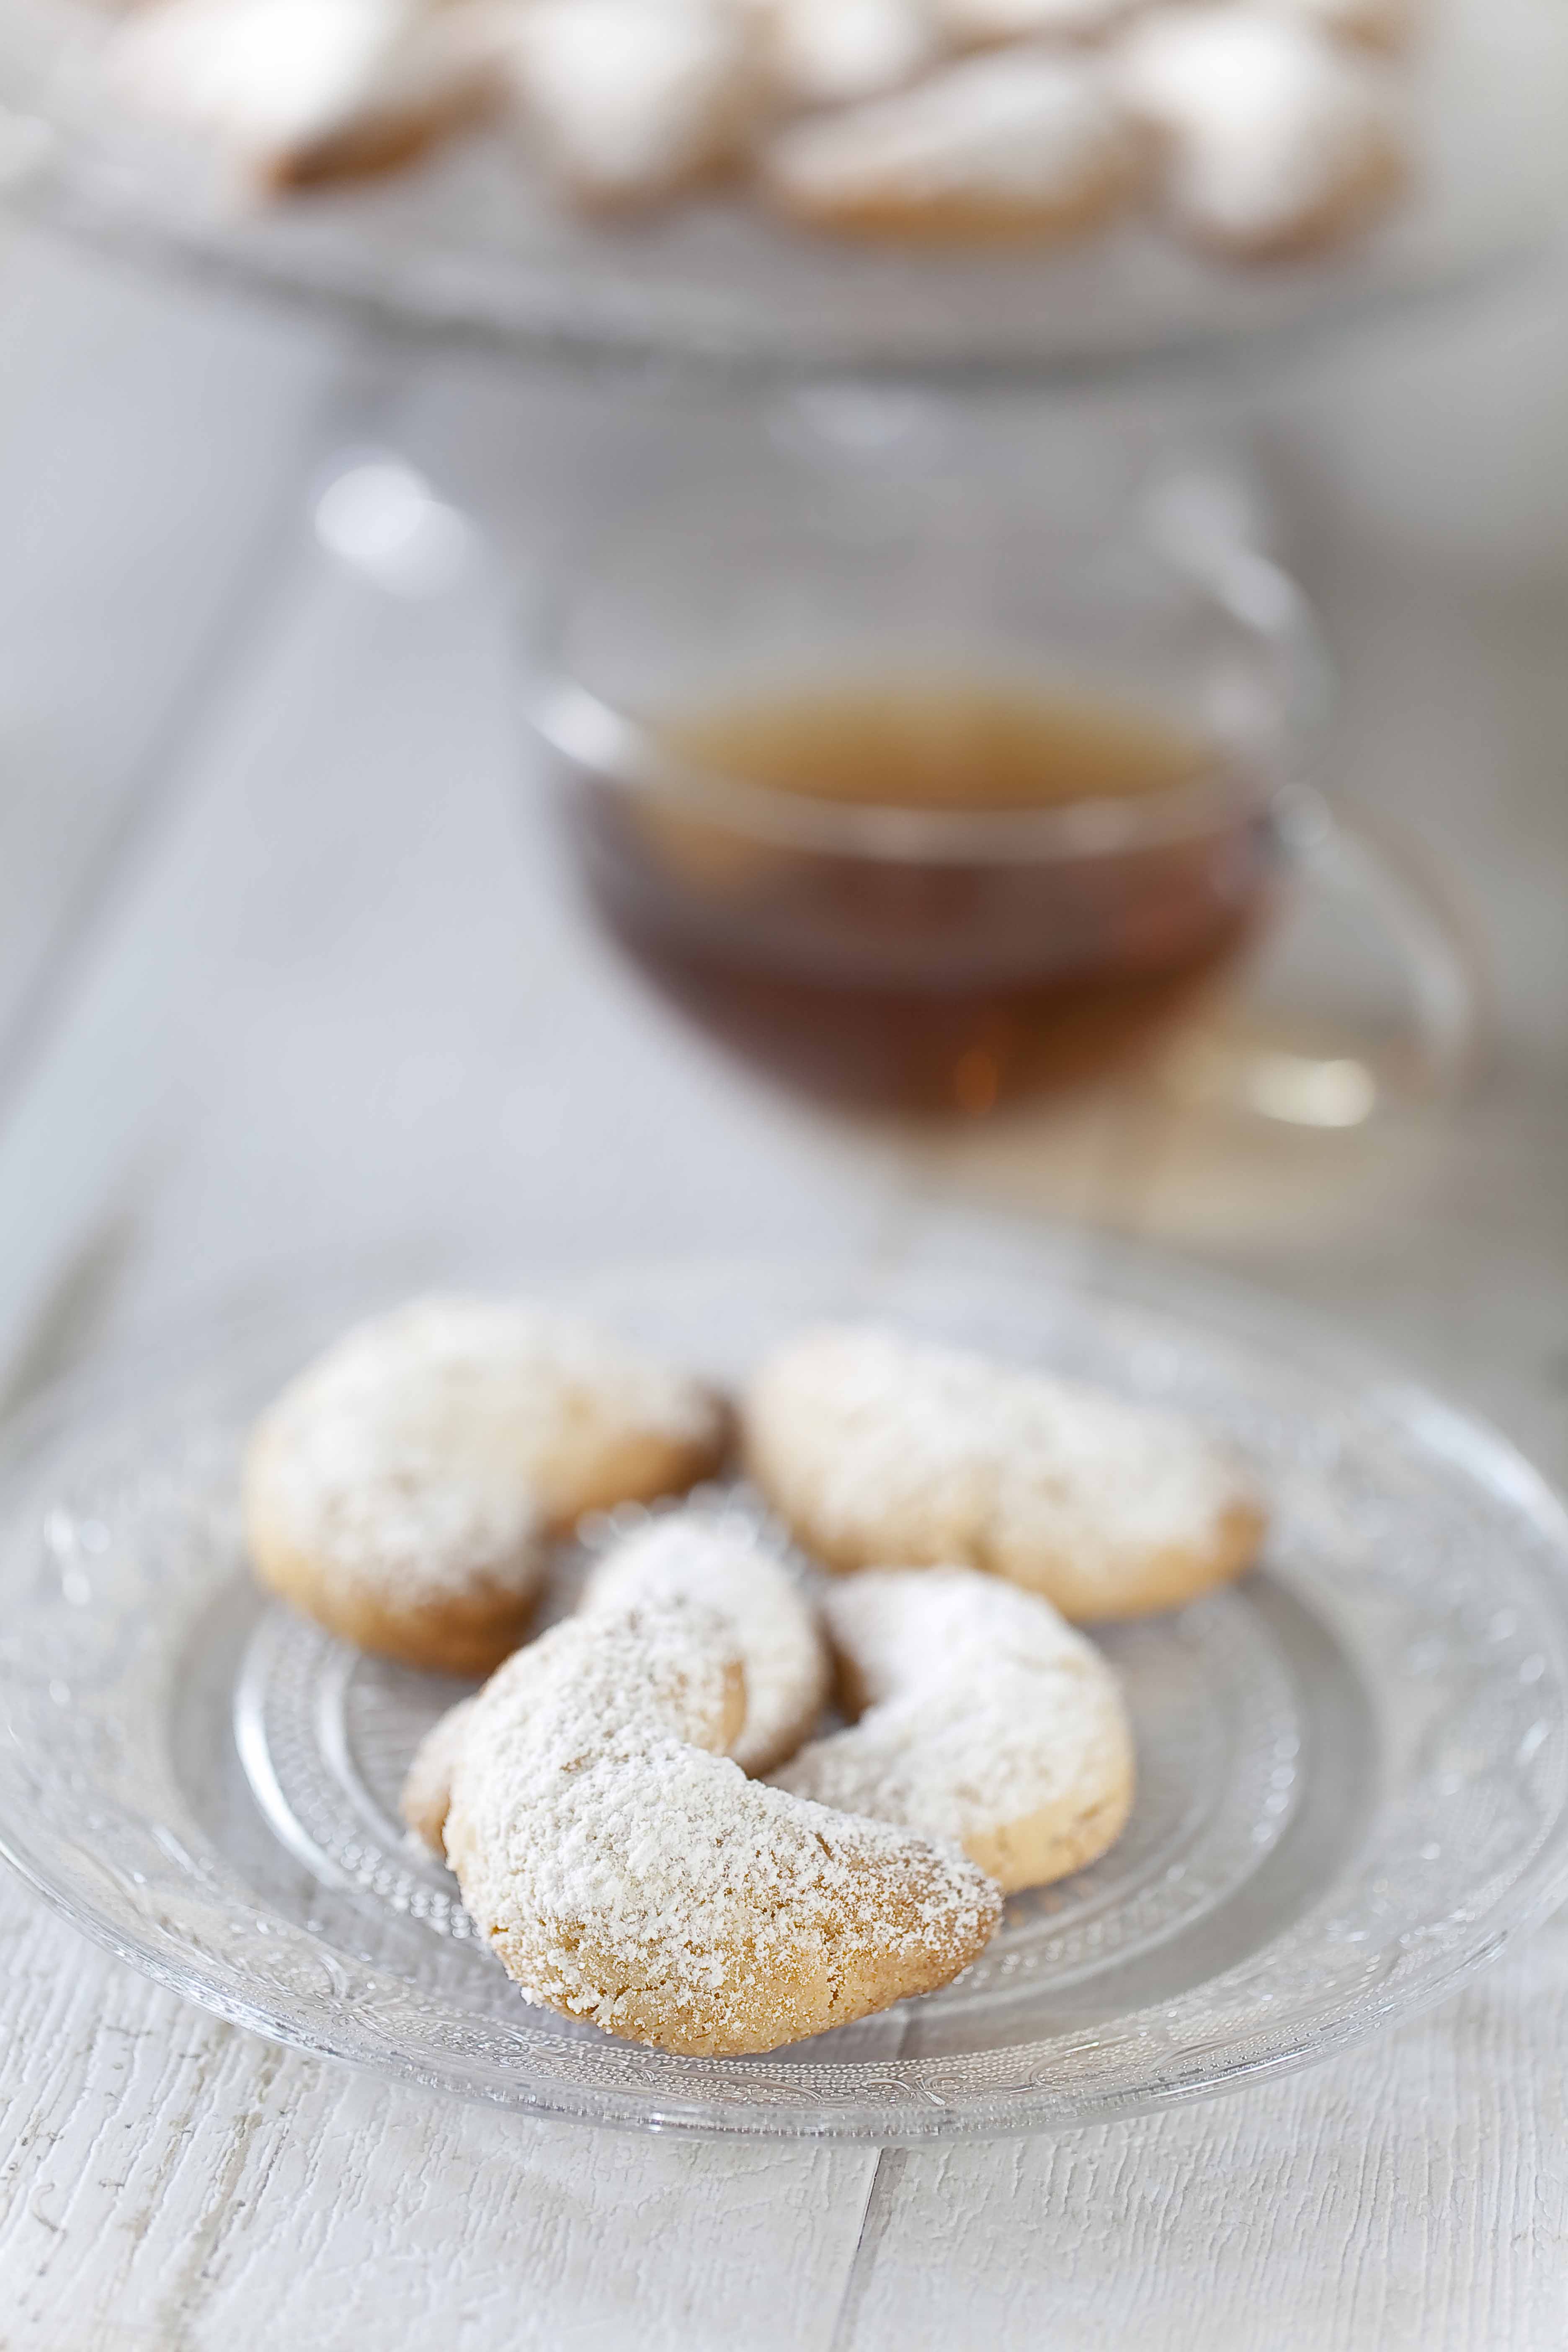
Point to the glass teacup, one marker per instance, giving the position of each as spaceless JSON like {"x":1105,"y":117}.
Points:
{"x":922,"y":819}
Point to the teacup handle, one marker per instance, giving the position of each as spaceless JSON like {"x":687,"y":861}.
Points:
{"x":1284,"y":1041}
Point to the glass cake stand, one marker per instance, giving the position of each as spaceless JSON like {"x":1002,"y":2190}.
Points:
{"x":470,"y":250}
{"x":1352,"y":1766}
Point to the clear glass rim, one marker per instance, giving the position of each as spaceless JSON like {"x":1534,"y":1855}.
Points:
{"x":588,"y":732}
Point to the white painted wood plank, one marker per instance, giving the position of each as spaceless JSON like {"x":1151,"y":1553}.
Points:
{"x":352,"y":1002}
{"x":1410,"y":2195}
{"x":147,"y":444}
{"x":169,"y":2184}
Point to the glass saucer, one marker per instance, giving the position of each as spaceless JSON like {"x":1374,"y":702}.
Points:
{"x":1354,"y":1767}
{"x":468,"y":249}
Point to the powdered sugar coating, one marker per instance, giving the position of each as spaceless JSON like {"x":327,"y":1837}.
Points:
{"x":987,"y":1721}
{"x":1019,"y":138}
{"x":718,"y":1564}
{"x":774,"y":1621}
{"x":832,"y":52}
{"x":1273,"y":135}
{"x":630,"y":1874}
{"x":418,"y":1463}
{"x":632,"y":98}
{"x":878,"y":1447}
{"x":304,"y":89}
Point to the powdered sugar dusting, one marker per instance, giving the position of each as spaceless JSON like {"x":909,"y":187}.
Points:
{"x":1268,"y":123}
{"x":830,"y":52}
{"x":630,"y":1875}
{"x":279,"y":77}
{"x":984,"y":1710}
{"x":1021,"y":128}
{"x":772,"y":1618}
{"x":418,"y":1455}
{"x":880,"y":1446}
{"x":630,"y":96}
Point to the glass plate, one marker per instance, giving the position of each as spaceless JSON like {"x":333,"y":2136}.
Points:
{"x":468,"y":249}
{"x":1352,"y":1766}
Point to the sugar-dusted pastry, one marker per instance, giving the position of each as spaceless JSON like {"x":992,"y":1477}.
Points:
{"x":980,"y":21}
{"x":1274,"y":139}
{"x":1015,"y":141}
{"x":695,"y":1556}
{"x":775,"y":1622}
{"x":631,"y":100}
{"x":982,"y":1719}
{"x":832,"y":52}
{"x":874,"y":1447}
{"x":400,"y":1488}
{"x":628,"y":1872}
{"x":306,"y":91}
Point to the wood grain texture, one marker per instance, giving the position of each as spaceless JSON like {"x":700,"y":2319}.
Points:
{"x":170,"y":2184}
{"x":149,"y":448}
{"x":1408,"y":2195}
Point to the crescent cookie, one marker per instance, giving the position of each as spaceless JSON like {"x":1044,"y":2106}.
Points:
{"x":1019,"y":141}
{"x":306,"y":91}
{"x":774,"y":1621}
{"x":876,"y":1447}
{"x":628,"y":1872}
{"x":401,"y":1488}
{"x":987,"y":1720}
{"x":1274,"y":139}
{"x":685,"y":1556}
{"x":631,"y":99}
{"x":834,"y":52}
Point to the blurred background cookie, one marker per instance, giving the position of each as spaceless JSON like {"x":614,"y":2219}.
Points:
{"x":303,"y":91}
{"x":1273,"y":139}
{"x":631,"y":99}
{"x":1021,"y":141}
{"x":984,"y":21}
{"x":832,"y":52}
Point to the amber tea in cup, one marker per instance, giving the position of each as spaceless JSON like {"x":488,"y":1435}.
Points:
{"x":906,"y":933}
{"x":893,"y":865}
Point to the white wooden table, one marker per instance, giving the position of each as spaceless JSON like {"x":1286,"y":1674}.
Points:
{"x":283,"y":970}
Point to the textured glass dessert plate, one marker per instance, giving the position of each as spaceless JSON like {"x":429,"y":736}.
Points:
{"x":1354,"y":1767}
{"x":469,"y":248}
